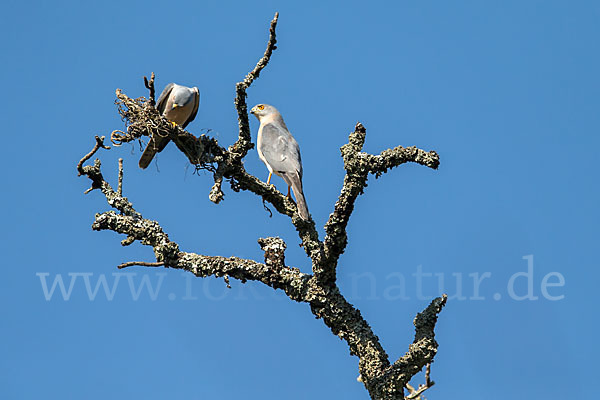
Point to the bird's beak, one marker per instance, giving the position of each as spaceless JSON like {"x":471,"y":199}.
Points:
{"x":252,"y":111}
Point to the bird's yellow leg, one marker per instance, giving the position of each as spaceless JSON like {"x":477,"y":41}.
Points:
{"x":269,"y":179}
{"x":289,"y":196}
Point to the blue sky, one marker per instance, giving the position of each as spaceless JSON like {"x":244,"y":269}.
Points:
{"x":505,"y":92}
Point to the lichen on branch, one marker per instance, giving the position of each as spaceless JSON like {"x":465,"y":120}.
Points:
{"x":382,"y":379}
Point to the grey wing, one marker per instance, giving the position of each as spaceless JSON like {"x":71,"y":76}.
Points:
{"x":195,"y":109}
{"x":280,"y":149}
{"x":164,"y":96}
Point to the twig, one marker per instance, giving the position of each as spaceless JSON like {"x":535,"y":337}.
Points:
{"x":428,"y":380}
{"x":118,"y":137}
{"x":414,"y":394}
{"x":244,"y":142}
{"x":271,"y":45}
{"x":120,"y":187}
{"x":150,"y":86}
{"x":99,"y":143}
{"x":140,"y":263}
{"x":94,"y":173}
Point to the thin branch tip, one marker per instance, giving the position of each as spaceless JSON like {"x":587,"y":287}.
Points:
{"x":141,"y":264}
{"x":150,"y":86}
{"x":99,"y":144}
{"x":120,"y":184}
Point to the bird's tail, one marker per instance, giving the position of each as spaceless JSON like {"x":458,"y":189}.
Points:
{"x":155,"y":145}
{"x":296,"y":182}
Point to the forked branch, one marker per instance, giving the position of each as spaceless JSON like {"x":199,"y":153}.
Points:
{"x":319,"y":290}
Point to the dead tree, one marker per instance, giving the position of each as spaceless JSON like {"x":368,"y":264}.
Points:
{"x":383,"y":379}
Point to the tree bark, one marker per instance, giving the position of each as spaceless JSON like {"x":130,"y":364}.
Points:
{"x":382,"y":379}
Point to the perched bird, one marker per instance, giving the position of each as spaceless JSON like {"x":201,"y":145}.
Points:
{"x":278,"y":149}
{"x":179,"y":104}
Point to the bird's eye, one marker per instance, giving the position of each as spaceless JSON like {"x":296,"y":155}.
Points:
{"x":261,"y":107}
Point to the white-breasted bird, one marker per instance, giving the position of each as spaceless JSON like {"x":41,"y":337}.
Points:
{"x":179,"y":104}
{"x":280,"y":152}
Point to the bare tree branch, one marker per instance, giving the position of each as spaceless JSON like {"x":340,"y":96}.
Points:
{"x":120,"y":186}
{"x":424,"y":347}
{"x":93,"y":172}
{"x":244,"y":142}
{"x":140,"y":263}
{"x":382,"y":379}
{"x":150,"y":86}
{"x":293,"y":282}
{"x":99,"y":144}
{"x":358,"y":165}
{"x":416,"y":393}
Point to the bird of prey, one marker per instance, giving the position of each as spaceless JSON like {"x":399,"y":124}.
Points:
{"x":278,"y":149}
{"x":179,"y":104}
